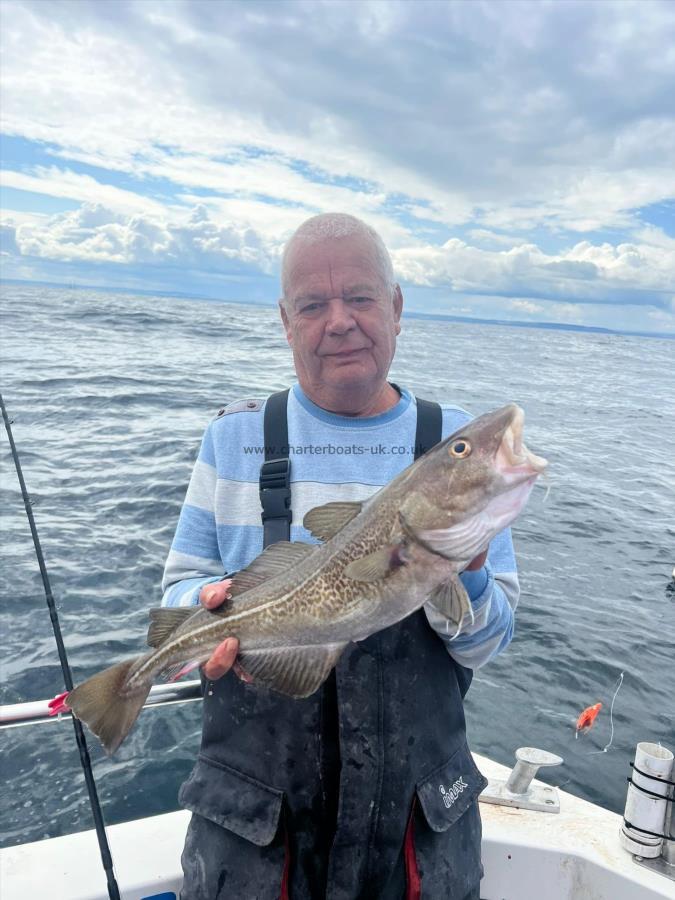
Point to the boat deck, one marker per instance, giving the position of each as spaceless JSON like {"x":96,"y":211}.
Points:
{"x":572,"y":855}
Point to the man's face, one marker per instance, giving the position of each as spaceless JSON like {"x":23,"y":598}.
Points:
{"x":341,"y":319}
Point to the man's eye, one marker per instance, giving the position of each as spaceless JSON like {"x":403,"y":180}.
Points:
{"x":310,"y":308}
{"x":360,"y":300}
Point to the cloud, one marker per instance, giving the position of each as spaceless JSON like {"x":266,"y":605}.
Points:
{"x":557,"y":115}
{"x":8,"y":244}
{"x":64,"y":183}
{"x":526,"y":306}
{"x":96,"y":234}
{"x":586,"y":273}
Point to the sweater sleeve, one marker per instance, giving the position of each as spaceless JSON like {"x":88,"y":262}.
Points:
{"x":194,"y":559}
{"x":493,"y":592}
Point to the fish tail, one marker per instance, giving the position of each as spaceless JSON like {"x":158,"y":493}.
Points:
{"x":106,"y":704}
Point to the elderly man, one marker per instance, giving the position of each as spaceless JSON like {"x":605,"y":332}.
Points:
{"x":366,"y":789}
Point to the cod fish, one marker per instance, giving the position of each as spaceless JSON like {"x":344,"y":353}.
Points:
{"x":298,"y":605}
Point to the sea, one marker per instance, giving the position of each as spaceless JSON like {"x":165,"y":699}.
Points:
{"x":109,"y":395}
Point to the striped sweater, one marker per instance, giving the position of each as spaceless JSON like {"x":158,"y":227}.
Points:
{"x":332,"y":458}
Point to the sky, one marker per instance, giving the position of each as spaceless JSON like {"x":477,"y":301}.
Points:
{"x":518,"y":158}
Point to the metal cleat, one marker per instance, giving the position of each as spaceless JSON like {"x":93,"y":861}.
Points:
{"x":518,"y":790}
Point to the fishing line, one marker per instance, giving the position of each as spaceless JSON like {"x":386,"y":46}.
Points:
{"x":611,"y":720}
{"x":85,"y":761}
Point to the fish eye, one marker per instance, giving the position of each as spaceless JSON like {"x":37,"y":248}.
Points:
{"x":459,"y":449}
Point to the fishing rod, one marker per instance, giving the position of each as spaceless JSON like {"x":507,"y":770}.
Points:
{"x":85,"y":761}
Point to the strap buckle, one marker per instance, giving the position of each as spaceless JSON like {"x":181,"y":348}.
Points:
{"x":275,"y":489}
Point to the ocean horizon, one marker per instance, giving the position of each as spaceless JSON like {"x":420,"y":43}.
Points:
{"x":407,"y":313}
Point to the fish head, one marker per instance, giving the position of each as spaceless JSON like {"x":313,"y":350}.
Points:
{"x":472,"y":484}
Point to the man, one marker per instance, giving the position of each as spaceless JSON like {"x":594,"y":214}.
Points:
{"x":366,"y":789}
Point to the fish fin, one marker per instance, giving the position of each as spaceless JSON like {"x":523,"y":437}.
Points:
{"x":293,"y":671}
{"x":452,"y":601}
{"x":103,"y":705}
{"x":373,"y":567}
{"x":173,"y":673}
{"x":377,"y":565}
{"x":325,"y":521}
{"x":274,"y":560}
{"x":164,"y":621}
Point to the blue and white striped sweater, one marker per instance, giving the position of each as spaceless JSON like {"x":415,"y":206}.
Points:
{"x":332,"y":458}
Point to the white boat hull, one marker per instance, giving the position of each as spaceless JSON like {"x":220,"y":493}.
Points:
{"x":572,"y":855}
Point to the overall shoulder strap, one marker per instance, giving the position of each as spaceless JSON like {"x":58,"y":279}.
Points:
{"x":275,"y":472}
{"x":429,"y":426}
{"x":429,"y":432}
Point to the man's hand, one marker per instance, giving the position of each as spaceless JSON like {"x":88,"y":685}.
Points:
{"x":222,"y":659}
{"x":478,"y":562}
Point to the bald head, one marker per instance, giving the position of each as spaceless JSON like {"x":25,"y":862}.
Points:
{"x":336,"y":227}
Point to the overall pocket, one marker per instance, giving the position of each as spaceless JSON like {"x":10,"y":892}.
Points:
{"x":234,"y":845}
{"x":443,"y":840}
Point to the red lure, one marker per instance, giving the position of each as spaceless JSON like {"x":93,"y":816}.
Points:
{"x":588,"y":717}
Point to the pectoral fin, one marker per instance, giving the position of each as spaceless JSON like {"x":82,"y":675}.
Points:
{"x":294,"y":671}
{"x":379,"y":564}
{"x":452,"y":601}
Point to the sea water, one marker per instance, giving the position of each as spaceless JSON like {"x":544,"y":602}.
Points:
{"x":110,"y":394}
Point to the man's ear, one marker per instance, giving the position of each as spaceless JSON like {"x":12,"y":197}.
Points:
{"x":286,"y":321}
{"x":398,"y":307}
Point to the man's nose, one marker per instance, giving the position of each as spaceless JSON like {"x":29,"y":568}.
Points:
{"x":340,"y":318}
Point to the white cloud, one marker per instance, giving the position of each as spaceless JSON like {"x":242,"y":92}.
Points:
{"x":96,"y":234}
{"x":584,"y":273}
{"x":656,"y":237}
{"x":209,"y":240}
{"x":21,"y":217}
{"x":470,"y":113}
{"x":526,"y":306}
{"x":67,"y":184}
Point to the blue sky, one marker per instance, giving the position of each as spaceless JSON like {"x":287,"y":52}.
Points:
{"x":518,"y":158}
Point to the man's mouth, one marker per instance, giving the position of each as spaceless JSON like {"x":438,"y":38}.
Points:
{"x":346,"y":352}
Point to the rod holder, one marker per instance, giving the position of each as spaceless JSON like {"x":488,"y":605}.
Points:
{"x":668,"y":849}
{"x":649,"y":810}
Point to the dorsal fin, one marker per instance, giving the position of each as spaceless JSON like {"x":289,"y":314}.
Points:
{"x":274,"y":560}
{"x":165,"y":620}
{"x":325,"y":521}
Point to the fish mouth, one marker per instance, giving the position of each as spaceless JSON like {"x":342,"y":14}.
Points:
{"x":513,"y":460}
